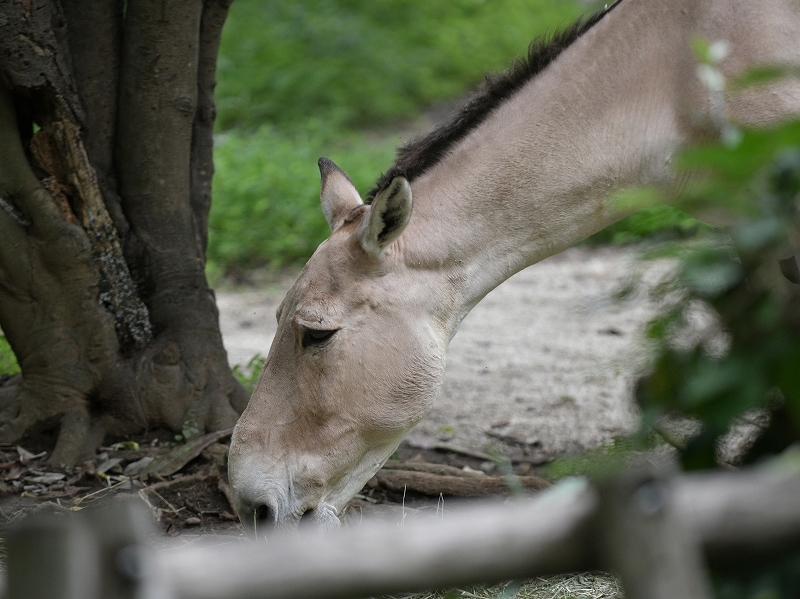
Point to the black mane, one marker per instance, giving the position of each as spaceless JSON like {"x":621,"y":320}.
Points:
{"x":418,"y":155}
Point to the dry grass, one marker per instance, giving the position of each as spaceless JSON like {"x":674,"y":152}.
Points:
{"x":586,"y":585}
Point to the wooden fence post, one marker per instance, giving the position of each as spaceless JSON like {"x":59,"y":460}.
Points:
{"x":121,"y":529}
{"x":102,"y":553}
{"x":642,"y":537}
{"x":648,"y":527}
{"x":51,"y":556}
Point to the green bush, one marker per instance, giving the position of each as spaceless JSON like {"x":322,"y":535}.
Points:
{"x":662,"y":222}
{"x":266,"y":207}
{"x":362,"y":62}
{"x":750,"y":358}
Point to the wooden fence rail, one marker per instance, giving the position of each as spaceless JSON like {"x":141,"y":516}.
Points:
{"x":653,"y":530}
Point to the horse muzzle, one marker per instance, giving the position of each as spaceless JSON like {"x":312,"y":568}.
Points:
{"x":269,"y":509}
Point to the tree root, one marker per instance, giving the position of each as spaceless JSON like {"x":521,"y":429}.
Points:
{"x":23,"y":404}
{"x":71,"y":444}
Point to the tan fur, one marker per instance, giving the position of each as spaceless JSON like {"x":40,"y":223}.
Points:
{"x":530,"y":181}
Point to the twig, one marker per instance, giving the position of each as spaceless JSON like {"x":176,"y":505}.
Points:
{"x":168,"y":504}
{"x":226,"y":490}
{"x":192,"y":478}
{"x":402,"y":521}
{"x":421,"y":443}
{"x":104,"y":491}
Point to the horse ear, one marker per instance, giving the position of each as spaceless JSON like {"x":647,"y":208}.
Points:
{"x":338,"y":194}
{"x":388,"y":216}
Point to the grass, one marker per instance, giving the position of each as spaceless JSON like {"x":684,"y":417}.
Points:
{"x":266,"y":191}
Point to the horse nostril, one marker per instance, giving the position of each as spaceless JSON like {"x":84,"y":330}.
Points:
{"x":263,"y":516}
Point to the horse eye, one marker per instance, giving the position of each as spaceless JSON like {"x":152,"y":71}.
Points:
{"x":316,"y":337}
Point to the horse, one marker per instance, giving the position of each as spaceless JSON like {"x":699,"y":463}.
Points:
{"x":527,"y":168}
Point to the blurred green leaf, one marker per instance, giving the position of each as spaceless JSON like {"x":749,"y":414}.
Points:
{"x":248,"y":375}
{"x":709,"y":273}
{"x":719,"y":375}
{"x":762,"y":75}
{"x":636,"y":198}
{"x":8,"y":361}
{"x":701,"y":48}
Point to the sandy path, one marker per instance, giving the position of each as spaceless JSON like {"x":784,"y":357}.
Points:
{"x":547,"y":358}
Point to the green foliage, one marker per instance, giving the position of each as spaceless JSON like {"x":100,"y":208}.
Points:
{"x":8,"y":362}
{"x":189,"y":429}
{"x":745,"y":354}
{"x":602,"y":462}
{"x":755,"y":347}
{"x":361,"y":62}
{"x":774,"y":580}
{"x":658,"y":222}
{"x":266,"y":191}
{"x":248,"y":375}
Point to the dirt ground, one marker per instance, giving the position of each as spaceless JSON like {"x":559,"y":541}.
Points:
{"x":542,"y":368}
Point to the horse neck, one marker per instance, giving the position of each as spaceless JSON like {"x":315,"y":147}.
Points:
{"x":535,"y":177}
{"x":539,"y":174}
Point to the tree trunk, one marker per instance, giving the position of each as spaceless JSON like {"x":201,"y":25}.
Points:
{"x":106,"y":117}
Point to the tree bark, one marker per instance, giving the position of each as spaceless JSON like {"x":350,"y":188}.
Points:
{"x":62,"y":347}
{"x":103,"y":226}
{"x":214,"y":14}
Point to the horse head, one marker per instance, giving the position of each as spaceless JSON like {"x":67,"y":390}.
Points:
{"x":356,"y":362}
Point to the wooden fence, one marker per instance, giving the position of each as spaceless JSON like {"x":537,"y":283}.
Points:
{"x":655,"y":531}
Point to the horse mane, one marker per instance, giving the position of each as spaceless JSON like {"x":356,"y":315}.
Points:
{"x":420,"y":154}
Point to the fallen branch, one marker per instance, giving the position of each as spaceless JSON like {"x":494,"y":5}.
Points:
{"x":175,"y":460}
{"x":439,"y":469}
{"x":421,"y":442}
{"x":225,"y":489}
{"x":455,"y":486}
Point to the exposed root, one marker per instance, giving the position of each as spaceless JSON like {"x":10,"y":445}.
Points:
{"x":23,"y":404}
{"x":12,"y":400}
{"x":72,"y":437}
